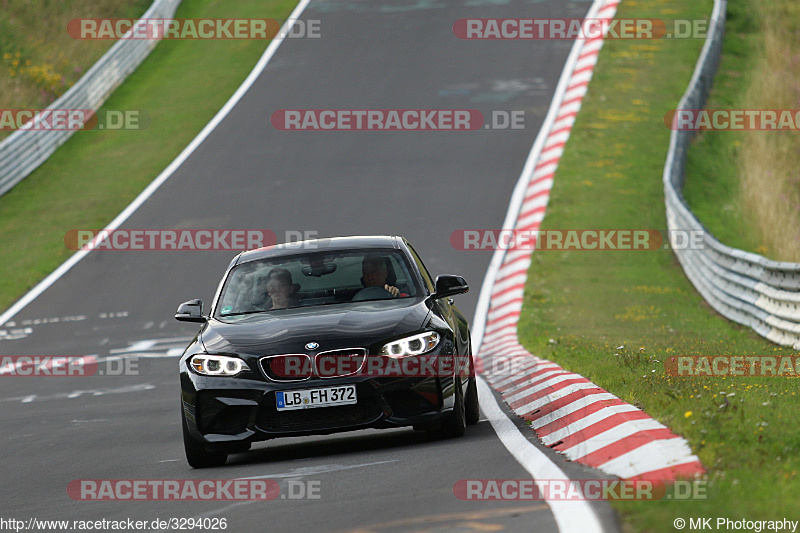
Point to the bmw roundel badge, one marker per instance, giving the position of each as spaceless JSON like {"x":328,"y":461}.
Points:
{"x":312,"y":346}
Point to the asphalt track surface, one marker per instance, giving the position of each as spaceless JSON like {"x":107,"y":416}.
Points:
{"x":423,"y":185}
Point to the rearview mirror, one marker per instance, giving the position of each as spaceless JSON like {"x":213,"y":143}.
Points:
{"x":319,"y":270}
{"x":191,"y":311}
{"x":448,"y":285}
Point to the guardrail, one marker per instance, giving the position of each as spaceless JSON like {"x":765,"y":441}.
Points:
{"x":742,"y":286}
{"x":24,"y":150}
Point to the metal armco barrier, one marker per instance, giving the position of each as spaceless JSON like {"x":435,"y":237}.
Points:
{"x":24,"y":150}
{"x":742,"y":286}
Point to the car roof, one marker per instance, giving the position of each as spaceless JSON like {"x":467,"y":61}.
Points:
{"x":334,"y":244}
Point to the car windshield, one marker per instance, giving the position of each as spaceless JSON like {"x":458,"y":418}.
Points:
{"x":316,"y":279}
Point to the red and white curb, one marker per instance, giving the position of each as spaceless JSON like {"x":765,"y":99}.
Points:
{"x":568,"y":412}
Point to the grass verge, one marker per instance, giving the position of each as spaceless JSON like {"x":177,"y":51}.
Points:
{"x":743,"y":185}
{"x":616,"y":316}
{"x":96,"y":174}
{"x":38,"y":58}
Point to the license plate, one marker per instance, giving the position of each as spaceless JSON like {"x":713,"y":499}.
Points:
{"x":310,"y":398}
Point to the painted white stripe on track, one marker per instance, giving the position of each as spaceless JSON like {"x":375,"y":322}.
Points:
{"x":508,"y":283}
{"x":504,"y":299}
{"x":615,"y":434}
{"x":532,"y":368}
{"x":569,"y":515}
{"x":544,"y":385}
{"x":544,"y":376}
{"x":570,"y":408}
{"x":532,"y":380}
{"x":556,"y":395}
{"x":649,"y":457}
{"x":506,"y":321}
{"x":585,"y":422}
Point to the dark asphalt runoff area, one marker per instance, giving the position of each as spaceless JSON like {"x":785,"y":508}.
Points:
{"x":247,"y":175}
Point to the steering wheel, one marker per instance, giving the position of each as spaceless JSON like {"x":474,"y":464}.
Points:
{"x":371,"y":293}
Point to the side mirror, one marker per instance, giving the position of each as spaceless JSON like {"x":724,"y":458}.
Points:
{"x":448,"y":285}
{"x":191,"y":311}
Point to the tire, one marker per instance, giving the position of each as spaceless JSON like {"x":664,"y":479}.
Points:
{"x":471,"y":406}
{"x":196,"y":454}
{"x":455,"y":425}
{"x":472,"y":409}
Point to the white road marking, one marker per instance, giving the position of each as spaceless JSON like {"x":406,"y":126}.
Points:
{"x":14,"y":334}
{"x":81,"y":392}
{"x":611,"y":436}
{"x":316,"y":470}
{"x":153,"y":348}
{"x":556,"y":395}
{"x":585,"y":422}
{"x":569,"y":515}
{"x":139,"y":346}
{"x":651,"y":456}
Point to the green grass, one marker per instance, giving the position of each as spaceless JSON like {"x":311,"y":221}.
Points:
{"x":592,"y":303}
{"x":39,"y":60}
{"x":712,"y":186}
{"x":743,"y":185}
{"x":95,"y":175}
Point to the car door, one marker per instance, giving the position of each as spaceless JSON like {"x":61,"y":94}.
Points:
{"x":445,"y":309}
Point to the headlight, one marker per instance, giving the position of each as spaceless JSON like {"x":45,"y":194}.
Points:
{"x":414,"y":345}
{"x":216,"y":365}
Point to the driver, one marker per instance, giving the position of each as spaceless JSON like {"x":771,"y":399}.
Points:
{"x":373,"y":268}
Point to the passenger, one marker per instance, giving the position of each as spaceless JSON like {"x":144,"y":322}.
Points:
{"x":281,"y":289}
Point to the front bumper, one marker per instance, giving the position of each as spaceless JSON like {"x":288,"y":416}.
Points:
{"x":224,"y":410}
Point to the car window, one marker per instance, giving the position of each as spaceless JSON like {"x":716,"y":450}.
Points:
{"x":424,"y":271}
{"x":316,"y":279}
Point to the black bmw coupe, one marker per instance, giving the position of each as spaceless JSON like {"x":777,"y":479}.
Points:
{"x":323,"y":336}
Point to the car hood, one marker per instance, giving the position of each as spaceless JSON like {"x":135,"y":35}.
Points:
{"x":346,"y":325}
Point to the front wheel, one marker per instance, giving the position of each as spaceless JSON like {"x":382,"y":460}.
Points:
{"x":472,"y":408}
{"x":454,"y":425}
{"x":196,"y":454}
